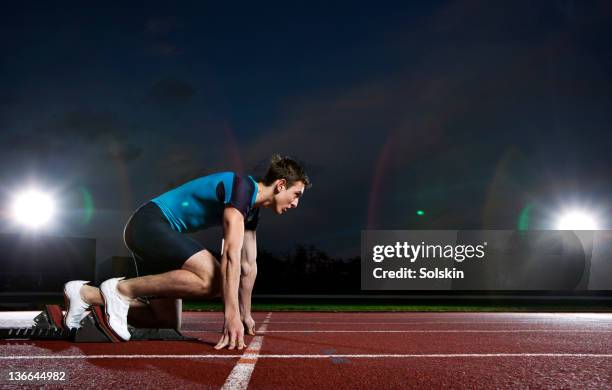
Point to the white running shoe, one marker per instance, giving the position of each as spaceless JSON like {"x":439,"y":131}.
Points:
{"x":116,"y":308}
{"x":76,"y":307}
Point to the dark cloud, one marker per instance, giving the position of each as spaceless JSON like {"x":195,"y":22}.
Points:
{"x":31,"y":146}
{"x":163,"y":48}
{"x":171,"y":93}
{"x":84,"y":125}
{"x":161,"y":33}
{"x":484,"y":21}
{"x":161,"y":26}
{"x":77,"y":134}
{"x":6,"y":100}
{"x":125,"y":153}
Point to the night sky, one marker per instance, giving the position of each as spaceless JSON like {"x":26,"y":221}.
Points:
{"x":475,"y":112}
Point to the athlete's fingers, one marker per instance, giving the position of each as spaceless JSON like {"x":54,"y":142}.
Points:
{"x":232,"y":341}
{"x":250,"y":329}
{"x":222,"y":343}
{"x":249,"y":326}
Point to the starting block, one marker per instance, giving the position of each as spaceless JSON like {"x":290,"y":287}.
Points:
{"x":48,"y":325}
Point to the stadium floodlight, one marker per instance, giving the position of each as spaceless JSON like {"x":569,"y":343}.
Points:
{"x":33,"y":208}
{"x":576,"y":220}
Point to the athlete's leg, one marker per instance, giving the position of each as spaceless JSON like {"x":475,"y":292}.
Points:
{"x":199,"y":277}
{"x":92,"y":296}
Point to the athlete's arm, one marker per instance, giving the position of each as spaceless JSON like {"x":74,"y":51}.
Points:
{"x":247,"y":278}
{"x":233,"y":233}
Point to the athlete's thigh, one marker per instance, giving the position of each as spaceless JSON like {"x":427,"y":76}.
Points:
{"x":155,"y":243}
{"x":206,"y":266}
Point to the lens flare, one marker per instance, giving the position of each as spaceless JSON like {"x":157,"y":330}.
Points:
{"x":577,"y":220}
{"x":88,"y":205}
{"x":33,"y":208}
{"x":524,"y":221}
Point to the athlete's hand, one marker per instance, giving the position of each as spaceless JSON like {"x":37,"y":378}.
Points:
{"x":233,"y":334}
{"x":249,"y":324}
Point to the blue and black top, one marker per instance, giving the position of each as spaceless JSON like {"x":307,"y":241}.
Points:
{"x":199,"y":204}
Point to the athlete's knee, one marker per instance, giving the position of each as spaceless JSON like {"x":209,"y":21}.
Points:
{"x":204,"y":265}
{"x":209,"y":286}
{"x":245,"y":268}
{"x":205,"y":285}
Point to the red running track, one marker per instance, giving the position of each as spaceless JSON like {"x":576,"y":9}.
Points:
{"x":346,"y":350}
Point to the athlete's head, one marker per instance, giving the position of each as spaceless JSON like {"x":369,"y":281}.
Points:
{"x":289,"y":180}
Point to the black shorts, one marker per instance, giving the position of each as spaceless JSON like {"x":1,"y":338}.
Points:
{"x":156,"y":247}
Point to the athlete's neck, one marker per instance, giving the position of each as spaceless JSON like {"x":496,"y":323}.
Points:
{"x":265,"y":195}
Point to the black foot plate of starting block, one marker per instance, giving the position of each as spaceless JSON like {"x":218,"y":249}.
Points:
{"x":34,"y":334}
{"x":94,"y":329}
{"x":47,"y":326}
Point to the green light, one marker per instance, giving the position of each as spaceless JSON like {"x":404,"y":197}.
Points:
{"x":88,"y":205}
{"x":185,"y":204}
{"x":420,"y":213}
{"x":523,"y":222}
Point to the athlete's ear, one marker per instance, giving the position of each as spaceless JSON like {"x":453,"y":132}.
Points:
{"x":281,"y":184}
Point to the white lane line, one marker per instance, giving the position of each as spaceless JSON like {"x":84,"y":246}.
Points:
{"x":410,"y":322}
{"x":241,"y":373}
{"x":420,"y":331}
{"x":304,"y":356}
{"x":413,"y":314}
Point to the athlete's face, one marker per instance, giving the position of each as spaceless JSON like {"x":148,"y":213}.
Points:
{"x":287,"y":198}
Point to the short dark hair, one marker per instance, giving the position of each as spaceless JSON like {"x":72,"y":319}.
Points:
{"x":285,"y":168}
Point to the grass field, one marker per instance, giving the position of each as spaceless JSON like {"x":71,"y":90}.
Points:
{"x":373,"y":305}
{"x":339,"y":307}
